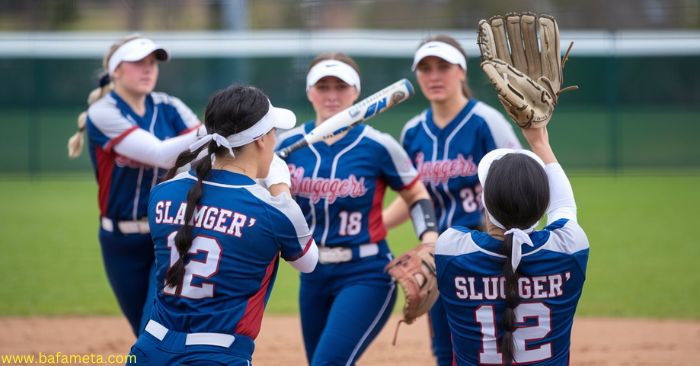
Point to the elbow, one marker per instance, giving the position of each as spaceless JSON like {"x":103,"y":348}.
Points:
{"x":307,"y":263}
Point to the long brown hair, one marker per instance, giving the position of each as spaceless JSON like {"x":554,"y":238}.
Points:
{"x":75,"y":142}
{"x":466,"y":90}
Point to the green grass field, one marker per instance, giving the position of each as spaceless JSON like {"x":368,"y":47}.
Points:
{"x":642,"y":263}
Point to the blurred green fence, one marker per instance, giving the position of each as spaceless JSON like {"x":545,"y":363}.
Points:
{"x":632,"y":112}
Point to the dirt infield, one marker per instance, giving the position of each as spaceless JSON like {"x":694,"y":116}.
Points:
{"x":595,"y":341}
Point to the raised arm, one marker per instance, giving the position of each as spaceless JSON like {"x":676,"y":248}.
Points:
{"x":561,"y":195}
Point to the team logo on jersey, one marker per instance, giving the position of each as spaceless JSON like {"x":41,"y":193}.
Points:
{"x":440,"y":171}
{"x":328,"y":188}
{"x":124,"y":162}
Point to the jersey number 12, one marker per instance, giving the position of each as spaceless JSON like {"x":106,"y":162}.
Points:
{"x":196,"y":268}
{"x":489,"y":354}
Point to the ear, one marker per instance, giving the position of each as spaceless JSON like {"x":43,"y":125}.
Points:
{"x":260,"y":143}
{"x":308,"y":95}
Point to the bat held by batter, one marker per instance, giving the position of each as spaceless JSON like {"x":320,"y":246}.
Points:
{"x":361,"y":111}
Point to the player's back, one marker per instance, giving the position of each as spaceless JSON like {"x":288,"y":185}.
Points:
{"x":470,"y":277}
{"x":238,"y":233}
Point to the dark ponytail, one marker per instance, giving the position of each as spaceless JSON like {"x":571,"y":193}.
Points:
{"x":512,"y":301}
{"x":228,"y":112}
{"x":183,"y":238}
{"x":516,"y":194}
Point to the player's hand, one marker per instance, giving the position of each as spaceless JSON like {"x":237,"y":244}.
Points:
{"x":278,"y":173}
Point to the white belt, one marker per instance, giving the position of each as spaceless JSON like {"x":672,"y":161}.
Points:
{"x":126,"y":227}
{"x":343,"y":254}
{"x":192,"y":339}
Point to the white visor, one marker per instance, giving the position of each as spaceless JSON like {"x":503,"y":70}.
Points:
{"x":441,"y":50}
{"x":274,"y":118}
{"x":336,"y":68}
{"x":136,"y":50}
{"x":485,"y":165}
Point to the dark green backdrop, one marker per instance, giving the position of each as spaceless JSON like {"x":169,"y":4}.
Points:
{"x":630,"y":113}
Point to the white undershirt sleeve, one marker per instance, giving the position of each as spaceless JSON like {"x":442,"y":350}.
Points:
{"x":561,"y":196}
{"x":141,"y":146}
{"x":307,"y":262}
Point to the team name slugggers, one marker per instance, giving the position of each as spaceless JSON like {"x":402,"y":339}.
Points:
{"x":492,"y":288}
{"x":206,"y":217}
{"x":440,"y":171}
{"x":328,"y":188}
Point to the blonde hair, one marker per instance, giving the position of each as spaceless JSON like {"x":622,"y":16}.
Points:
{"x":76,"y":142}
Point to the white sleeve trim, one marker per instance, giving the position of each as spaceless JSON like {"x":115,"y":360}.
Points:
{"x":502,"y":131}
{"x":307,"y":262}
{"x":146,"y":148}
{"x":107,"y":118}
{"x":561,"y":196}
{"x":454,"y":242}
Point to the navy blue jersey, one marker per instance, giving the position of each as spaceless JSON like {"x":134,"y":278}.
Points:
{"x":470,"y":266}
{"x":124,"y":184}
{"x":340,"y":187}
{"x":447,"y":158}
{"x":239,"y":232}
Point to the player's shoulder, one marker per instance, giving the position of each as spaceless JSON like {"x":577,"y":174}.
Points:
{"x":288,"y":137}
{"x":103,"y":108}
{"x":565,"y":236}
{"x":381,"y":141}
{"x":164,"y":98}
{"x":180,"y":181}
{"x":280,"y":207}
{"x":487,"y":112}
{"x":413,"y":125}
{"x":458,"y":240}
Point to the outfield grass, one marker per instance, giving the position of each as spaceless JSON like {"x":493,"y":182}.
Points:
{"x":642,"y":264}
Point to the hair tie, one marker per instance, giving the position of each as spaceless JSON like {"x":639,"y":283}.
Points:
{"x":218,"y":139}
{"x":104,"y":80}
{"x":520,"y":237}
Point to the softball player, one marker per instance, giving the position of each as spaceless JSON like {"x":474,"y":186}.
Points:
{"x":511,"y":293}
{"x":339,"y":184}
{"x":446,"y":143}
{"x":133,"y":133}
{"x":218,"y":236}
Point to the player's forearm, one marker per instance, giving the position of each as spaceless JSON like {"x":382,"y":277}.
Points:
{"x":146,"y":148}
{"x":396,"y":214}
{"x":421,"y":211}
{"x":538,"y":139}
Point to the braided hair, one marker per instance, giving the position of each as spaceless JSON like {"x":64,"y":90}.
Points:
{"x":517,"y":196}
{"x":228,"y":112}
{"x":105,"y":85}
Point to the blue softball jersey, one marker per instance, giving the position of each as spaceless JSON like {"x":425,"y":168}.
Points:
{"x":124,"y":184}
{"x":447,"y":158}
{"x":341,"y":186}
{"x":552,"y":273}
{"x":239,"y":233}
